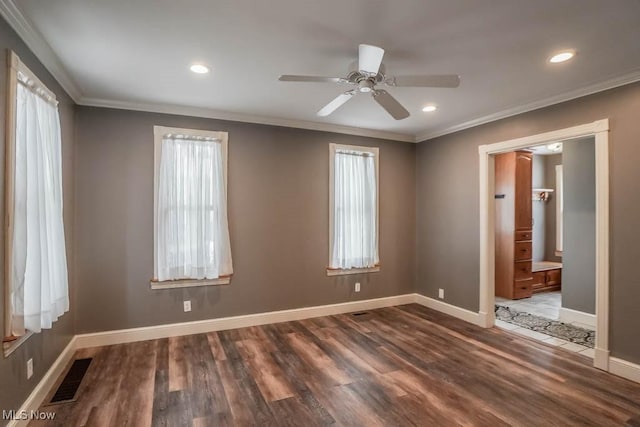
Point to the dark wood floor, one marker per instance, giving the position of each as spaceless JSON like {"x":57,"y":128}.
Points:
{"x":397,"y":366}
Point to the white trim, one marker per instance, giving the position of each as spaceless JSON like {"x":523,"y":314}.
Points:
{"x":614,"y":82}
{"x":599,"y":129}
{"x":158,"y":133}
{"x":210,"y":325}
{"x":209,"y":113}
{"x":624,"y":369}
{"x":375,"y":151}
{"x":451,"y":310}
{"x":559,"y":208}
{"x":42,"y":389}
{"x":568,"y":315}
{"x":602,"y":244}
{"x":345,"y":272}
{"x":189,"y":283}
{"x":38,"y":45}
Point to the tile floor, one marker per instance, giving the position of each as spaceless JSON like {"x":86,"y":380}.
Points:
{"x":547,"y":305}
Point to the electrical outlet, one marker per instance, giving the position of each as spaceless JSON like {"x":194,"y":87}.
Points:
{"x":29,"y":368}
{"x":357,"y":286}
{"x":187,"y":305}
{"x":441,"y":293}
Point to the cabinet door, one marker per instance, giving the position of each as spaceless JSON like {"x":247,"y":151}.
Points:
{"x":524,"y":216}
{"x":553,"y":277}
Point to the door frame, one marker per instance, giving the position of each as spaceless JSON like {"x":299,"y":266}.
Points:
{"x":600,"y":130}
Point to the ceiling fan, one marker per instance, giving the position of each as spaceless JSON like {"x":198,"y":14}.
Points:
{"x":368,"y":72}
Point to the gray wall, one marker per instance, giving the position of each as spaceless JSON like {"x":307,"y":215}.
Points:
{"x":278,"y":215}
{"x":448,"y":206}
{"x":538,"y":208}
{"x":550,"y":208}
{"x":45,"y":347}
{"x":579,"y":222}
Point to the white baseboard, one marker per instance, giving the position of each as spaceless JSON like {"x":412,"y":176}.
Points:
{"x":568,"y":315}
{"x":451,"y":310}
{"x":37,"y":396}
{"x":624,"y":369}
{"x":202,"y":326}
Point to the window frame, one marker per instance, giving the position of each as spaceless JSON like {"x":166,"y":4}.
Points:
{"x":158,"y":133}
{"x":333,"y":147}
{"x":14,"y":66}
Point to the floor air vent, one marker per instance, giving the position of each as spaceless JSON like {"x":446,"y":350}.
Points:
{"x":360,"y":313}
{"x":67,"y":390}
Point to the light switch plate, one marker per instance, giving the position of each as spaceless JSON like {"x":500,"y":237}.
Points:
{"x":187,"y":305}
{"x":29,"y":368}
{"x":357,"y":287}
{"x":441,"y":293}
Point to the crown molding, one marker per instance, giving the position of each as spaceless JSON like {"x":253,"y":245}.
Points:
{"x":40,"y":48}
{"x":557,"y":99}
{"x":208,"y":113}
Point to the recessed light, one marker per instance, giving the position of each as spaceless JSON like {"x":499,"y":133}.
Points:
{"x":562,"y":56}
{"x":199,"y":69}
{"x":429,"y":108}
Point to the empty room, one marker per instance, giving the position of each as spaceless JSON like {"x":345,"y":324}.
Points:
{"x":305,"y":213}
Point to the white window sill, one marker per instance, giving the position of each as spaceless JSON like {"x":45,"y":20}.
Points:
{"x":10,"y":347}
{"x":340,"y":272}
{"x":189,"y":283}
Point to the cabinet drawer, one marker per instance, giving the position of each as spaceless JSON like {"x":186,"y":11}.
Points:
{"x":522,"y":251}
{"x":523,"y":235}
{"x":522,"y":270}
{"x":522,"y":288}
{"x":539,"y":279}
{"x":554,"y":277}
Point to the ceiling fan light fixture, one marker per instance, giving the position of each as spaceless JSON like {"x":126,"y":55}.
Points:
{"x":562,"y":56}
{"x":199,"y":69}
{"x":429,"y":108}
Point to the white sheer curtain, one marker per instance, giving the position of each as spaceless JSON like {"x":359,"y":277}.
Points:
{"x":355,"y":240}
{"x":193,"y":232}
{"x":39,"y":291}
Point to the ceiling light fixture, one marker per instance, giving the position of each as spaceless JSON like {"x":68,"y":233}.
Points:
{"x":199,"y":69}
{"x":555,"y":147}
{"x":562,"y":56}
{"x":429,"y":108}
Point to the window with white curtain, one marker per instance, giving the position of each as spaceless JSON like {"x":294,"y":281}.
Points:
{"x":36,"y":269}
{"x":192,"y":245}
{"x":353,"y":239}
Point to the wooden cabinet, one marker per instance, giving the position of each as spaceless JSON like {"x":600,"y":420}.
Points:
{"x":547,"y":280}
{"x":514,"y":221}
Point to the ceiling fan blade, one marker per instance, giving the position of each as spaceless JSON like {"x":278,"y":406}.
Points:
{"x":336,"y":103}
{"x":436,"y":80}
{"x":369,"y":58}
{"x":390,"y":104}
{"x":318,"y":79}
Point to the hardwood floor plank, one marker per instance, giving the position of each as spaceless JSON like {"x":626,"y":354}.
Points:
{"x":405,"y":365}
{"x":268,"y":376}
{"x":177,"y":364}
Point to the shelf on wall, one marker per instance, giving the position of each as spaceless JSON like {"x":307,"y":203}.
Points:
{"x":541,"y":194}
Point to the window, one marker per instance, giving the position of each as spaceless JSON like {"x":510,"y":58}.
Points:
{"x":353,"y":210}
{"x":559,"y":210}
{"x":36,"y":264}
{"x":191,"y":239}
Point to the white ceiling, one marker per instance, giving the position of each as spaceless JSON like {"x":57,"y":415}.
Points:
{"x":136,"y":54}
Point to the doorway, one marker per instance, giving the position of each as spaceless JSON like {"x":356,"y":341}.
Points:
{"x":599,"y":131}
